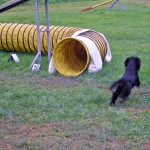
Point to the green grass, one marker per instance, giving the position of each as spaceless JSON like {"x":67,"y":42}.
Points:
{"x":73,"y":112}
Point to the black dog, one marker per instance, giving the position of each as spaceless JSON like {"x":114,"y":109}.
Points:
{"x":122,"y":87}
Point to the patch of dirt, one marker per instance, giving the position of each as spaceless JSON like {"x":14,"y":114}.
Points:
{"x":61,"y":82}
{"x":48,"y":136}
{"x":136,"y":110}
{"x":57,"y":81}
{"x":145,"y":145}
{"x":65,"y":135}
{"x":143,"y":91}
{"x":139,"y":108}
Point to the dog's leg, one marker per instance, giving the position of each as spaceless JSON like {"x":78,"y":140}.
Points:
{"x":115,"y":96}
{"x":137,"y":82}
{"x":125,"y":93}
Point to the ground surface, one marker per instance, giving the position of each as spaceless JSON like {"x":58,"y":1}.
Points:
{"x":125,"y":127}
{"x":86,"y":134}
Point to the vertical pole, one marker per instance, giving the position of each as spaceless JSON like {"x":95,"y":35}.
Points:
{"x":38,"y":30}
{"x":47,"y":30}
{"x":38,"y":55}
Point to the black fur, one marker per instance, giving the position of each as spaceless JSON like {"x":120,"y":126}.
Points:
{"x":122,"y":88}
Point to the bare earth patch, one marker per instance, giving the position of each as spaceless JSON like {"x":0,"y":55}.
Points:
{"x":66,"y":135}
{"x":68,"y":82}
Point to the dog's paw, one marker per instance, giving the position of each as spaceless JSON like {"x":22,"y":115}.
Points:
{"x":121,"y":100}
{"x":112,"y":105}
{"x":112,"y":89}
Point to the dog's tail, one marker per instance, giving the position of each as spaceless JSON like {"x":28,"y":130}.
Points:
{"x":118,"y":84}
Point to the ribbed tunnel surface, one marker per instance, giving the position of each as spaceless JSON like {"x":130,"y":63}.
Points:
{"x":70,"y":55}
{"x":74,"y":56}
{"x":23,"y":37}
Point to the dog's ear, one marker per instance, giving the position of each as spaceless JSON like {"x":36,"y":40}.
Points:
{"x":138,"y":63}
{"x":126,"y":62}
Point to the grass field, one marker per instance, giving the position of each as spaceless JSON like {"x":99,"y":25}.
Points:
{"x":39,"y":111}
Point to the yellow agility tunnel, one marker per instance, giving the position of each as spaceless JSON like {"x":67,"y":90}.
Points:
{"x":70,"y":54}
{"x":23,"y":37}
